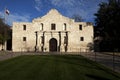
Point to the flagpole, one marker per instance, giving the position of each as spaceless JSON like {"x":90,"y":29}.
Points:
{"x":4,"y":15}
{"x":6,"y":12}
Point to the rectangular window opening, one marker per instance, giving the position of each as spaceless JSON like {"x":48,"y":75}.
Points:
{"x":81,"y":38}
{"x":24,"y":27}
{"x":53,"y":27}
{"x":65,"y":26}
{"x":42,"y":26}
{"x":80,"y":27}
{"x":24,"y":38}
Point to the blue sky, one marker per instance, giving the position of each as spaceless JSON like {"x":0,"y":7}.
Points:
{"x":27,"y":10}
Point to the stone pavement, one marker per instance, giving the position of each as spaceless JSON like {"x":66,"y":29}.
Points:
{"x":110,"y":60}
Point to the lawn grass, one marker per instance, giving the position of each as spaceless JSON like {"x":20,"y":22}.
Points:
{"x":54,"y":67}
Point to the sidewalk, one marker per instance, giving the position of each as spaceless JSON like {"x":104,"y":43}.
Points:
{"x":108,"y":60}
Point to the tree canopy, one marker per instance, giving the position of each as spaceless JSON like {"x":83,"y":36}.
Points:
{"x":108,"y":22}
{"x":4,"y":31}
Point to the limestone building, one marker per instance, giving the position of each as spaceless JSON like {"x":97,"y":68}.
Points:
{"x":52,"y":32}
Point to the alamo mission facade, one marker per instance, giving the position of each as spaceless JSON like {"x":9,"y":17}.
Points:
{"x":52,"y":32}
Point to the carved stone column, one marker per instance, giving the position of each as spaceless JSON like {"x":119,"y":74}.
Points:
{"x":59,"y":47}
{"x":42,"y":42}
{"x":36,"y":33}
{"x":62,"y":42}
{"x":66,"y":41}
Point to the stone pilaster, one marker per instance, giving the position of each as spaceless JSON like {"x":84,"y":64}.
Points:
{"x":62,"y":42}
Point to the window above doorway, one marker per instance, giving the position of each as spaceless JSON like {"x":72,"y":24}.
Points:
{"x":53,"y":26}
{"x":41,"y":26}
{"x":64,"y":26}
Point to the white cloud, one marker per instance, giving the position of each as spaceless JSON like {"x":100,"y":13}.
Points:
{"x":66,"y":3}
{"x":57,"y":3}
{"x":15,"y":17}
{"x":38,"y":5}
{"x":18,"y":18}
{"x":84,"y":8}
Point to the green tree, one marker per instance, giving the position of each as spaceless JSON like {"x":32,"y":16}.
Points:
{"x":108,"y":23}
{"x":4,"y":32}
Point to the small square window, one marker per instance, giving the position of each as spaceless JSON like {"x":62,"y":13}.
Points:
{"x":24,"y":38}
{"x":53,"y":26}
{"x":24,"y":27}
{"x":81,"y":38}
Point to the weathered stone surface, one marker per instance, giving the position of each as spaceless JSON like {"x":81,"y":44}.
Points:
{"x":38,"y":34}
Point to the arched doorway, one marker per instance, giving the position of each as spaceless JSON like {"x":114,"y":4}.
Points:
{"x":53,"y":45}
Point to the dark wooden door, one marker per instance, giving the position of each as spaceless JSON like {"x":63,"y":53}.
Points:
{"x":53,"y":45}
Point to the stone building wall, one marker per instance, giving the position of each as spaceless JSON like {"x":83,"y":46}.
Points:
{"x":38,"y":35}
